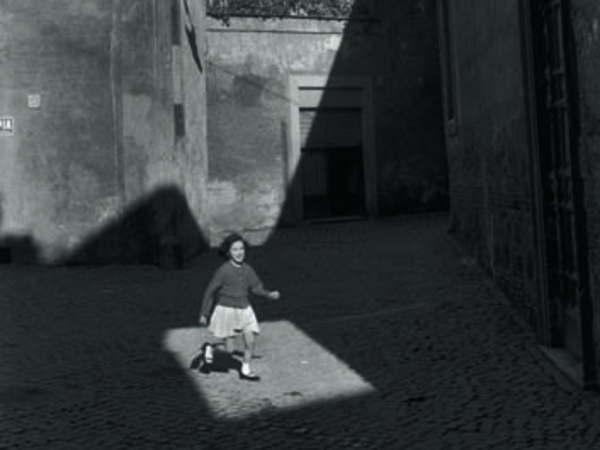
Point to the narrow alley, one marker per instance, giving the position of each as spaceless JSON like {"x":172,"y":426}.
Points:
{"x":386,"y":337}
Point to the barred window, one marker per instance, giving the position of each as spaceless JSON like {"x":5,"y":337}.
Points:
{"x":448,"y":64}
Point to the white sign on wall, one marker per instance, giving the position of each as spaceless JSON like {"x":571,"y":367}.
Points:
{"x":7,"y":126}
{"x":34,"y":100}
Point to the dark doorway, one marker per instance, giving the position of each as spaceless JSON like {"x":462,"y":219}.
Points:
{"x":332,"y":163}
{"x":333,"y":182}
{"x":567,"y":271}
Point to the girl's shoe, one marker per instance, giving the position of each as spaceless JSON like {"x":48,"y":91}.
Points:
{"x":247,"y":374}
{"x":249,"y":377}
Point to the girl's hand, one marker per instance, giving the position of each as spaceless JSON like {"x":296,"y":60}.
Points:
{"x":274,"y":295}
{"x":203,"y":321}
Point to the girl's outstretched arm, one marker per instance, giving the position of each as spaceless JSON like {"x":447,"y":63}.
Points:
{"x":257,"y":287}
{"x":260,"y":290}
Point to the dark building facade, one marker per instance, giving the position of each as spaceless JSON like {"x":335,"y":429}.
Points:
{"x":521,"y":113}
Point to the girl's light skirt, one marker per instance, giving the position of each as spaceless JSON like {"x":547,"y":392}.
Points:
{"x":227,"y":321}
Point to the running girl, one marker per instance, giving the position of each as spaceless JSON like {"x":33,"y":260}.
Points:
{"x":233,"y":315}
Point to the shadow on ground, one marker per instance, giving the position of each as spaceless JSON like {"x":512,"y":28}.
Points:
{"x":84,"y":360}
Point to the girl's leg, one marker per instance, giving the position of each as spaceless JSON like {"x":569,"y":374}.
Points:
{"x":221,"y":345}
{"x":226,"y":344}
{"x":230,"y":347}
{"x":249,"y":340}
{"x":230,"y":344}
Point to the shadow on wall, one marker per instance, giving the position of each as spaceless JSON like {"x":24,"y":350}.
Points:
{"x":409,"y":170}
{"x":370,"y":127}
{"x":159,"y":230}
{"x":16,"y":248}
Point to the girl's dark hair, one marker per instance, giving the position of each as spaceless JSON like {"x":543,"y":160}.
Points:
{"x":228,"y":242}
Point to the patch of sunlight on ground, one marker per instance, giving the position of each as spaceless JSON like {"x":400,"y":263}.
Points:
{"x":295,"y":371}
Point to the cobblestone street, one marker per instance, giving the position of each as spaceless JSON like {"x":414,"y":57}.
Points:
{"x":386,"y":337}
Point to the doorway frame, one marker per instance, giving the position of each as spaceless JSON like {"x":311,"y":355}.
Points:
{"x":584,"y":372}
{"x":317,"y":87}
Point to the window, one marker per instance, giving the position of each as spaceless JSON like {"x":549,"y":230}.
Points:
{"x":448,"y":66}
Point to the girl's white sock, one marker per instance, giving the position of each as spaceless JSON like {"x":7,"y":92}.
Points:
{"x":245,"y":368}
{"x":208,"y":355}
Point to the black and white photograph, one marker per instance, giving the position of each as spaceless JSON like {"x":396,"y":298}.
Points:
{"x":299,"y":224}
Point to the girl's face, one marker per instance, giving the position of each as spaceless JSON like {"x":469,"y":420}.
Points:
{"x":237,"y":252}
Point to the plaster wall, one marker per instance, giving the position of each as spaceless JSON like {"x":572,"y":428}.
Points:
{"x":59,"y":175}
{"x":96,"y":173}
{"x":248,"y":99}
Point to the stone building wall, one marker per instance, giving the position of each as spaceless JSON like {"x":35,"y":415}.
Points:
{"x":251,"y":62}
{"x":585,"y":15}
{"x":93,"y":171}
{"x":496,"y":168}
{"x":489,"y":149}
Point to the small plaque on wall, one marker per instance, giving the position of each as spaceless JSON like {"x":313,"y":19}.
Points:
{"x":7,"y":125}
